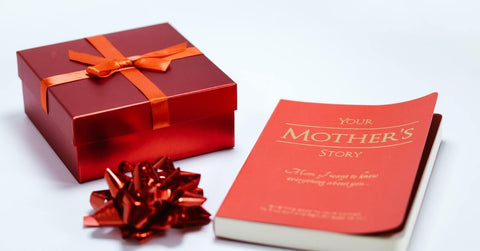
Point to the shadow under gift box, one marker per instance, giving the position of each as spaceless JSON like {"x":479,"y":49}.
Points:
{"x":96,"y":123}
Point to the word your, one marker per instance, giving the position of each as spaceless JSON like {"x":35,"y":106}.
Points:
{"x":350,"y":121}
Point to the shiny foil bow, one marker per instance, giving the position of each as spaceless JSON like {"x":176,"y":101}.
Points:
{"x":156,"y":197}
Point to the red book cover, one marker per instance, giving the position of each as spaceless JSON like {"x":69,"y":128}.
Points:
{"x":340,"y":168}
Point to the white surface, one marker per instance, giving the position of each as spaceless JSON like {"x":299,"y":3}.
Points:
{"x":362,"y":52}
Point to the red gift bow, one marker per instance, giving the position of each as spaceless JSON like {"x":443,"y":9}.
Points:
{"x":114,"y":61}
{"x":155,"y":198}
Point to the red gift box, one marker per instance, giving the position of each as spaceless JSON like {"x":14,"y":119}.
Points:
{"x":93,"y":123}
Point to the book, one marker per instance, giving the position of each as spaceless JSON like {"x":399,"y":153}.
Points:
{"x":335,"y":177}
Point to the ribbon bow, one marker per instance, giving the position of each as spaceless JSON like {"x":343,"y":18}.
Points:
{"x":114,"y":61}
{"x":104,"y":67}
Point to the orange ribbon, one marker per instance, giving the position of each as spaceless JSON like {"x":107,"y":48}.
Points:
{"x":113,"y":62}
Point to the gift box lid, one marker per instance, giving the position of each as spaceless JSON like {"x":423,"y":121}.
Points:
{"x":95,"y":109}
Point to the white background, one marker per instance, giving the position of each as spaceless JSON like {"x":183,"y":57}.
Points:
{"x":357,"y":52}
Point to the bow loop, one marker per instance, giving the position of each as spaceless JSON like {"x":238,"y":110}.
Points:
{"x":155,"y":64}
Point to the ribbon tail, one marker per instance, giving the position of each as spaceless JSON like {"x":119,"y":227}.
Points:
{"x":85,"y":58}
